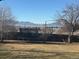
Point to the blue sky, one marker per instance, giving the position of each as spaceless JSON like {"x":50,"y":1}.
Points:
{"x":36,"y":11}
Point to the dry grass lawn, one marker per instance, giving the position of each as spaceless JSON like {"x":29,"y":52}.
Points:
{"x":39,"y":51}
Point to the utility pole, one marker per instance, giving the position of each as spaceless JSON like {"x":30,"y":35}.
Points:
{"x":45,"y":32}
{"x":45,"y":29}
{"x":45,"y":26}
{"x":52,"y":26}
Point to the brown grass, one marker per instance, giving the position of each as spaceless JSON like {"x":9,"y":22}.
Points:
{"x":45,"y":47}
{"x":39,"y":51}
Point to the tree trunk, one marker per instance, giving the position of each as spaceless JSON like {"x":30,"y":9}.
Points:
{"x":69,"y":38}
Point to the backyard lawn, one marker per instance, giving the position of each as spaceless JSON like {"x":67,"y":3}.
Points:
{"x":38,"y":51}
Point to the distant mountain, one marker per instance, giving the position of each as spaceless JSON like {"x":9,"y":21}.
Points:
{"x":54,"y":25}
{"x":30,"y":24}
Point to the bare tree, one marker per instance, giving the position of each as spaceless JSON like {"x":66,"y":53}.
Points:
{"x":70,"y":19}
{"x":6,"y":21}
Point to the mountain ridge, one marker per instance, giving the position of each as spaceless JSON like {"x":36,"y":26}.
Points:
{"x":30,"y":24}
